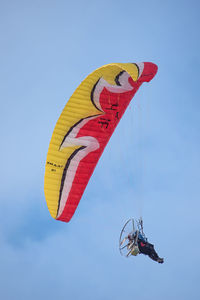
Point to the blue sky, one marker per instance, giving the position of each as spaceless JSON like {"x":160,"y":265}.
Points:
{"x":150,"y":166}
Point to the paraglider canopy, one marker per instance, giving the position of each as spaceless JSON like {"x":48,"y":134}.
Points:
{"x":83,"y":130}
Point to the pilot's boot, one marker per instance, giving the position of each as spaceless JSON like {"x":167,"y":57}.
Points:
{"x":160,"y":260}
